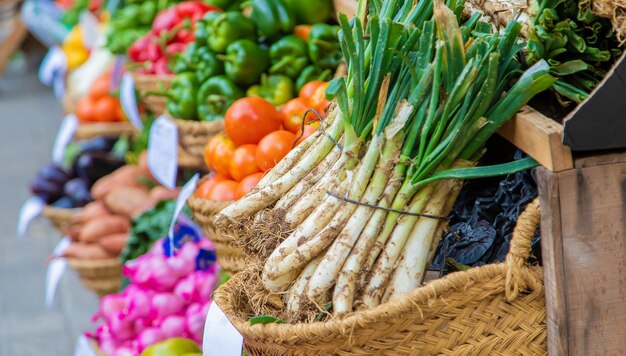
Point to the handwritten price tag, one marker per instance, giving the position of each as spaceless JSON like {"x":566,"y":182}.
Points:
{"x":31,"y":209}
{"x":129,"y":100}
{"x":183,"y":196}
{"x":89,"y":26}
{"x":220,"y":336}
{"x":64,"y":137}
{"x":163,"y":151}
{"x":53,"y":64}
{"x":55,"y":271}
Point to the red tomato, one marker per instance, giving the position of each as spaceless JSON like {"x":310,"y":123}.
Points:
{"x":293,"y":114}
{"x":248,"y":183}
{"x":308,"y":131}
{"x":85,"y":110}
{"x":105,"y":109}
{"x":100,"y":88}
{"x":205,"y":187}
{"x":318,"y":100}
{"x":309,"y":89}
{"x":243,"y":162}
{"x":218,"y":154}
{"x":225,"y":191}
{"x":248,"y":120}
{"x":273,"y":148}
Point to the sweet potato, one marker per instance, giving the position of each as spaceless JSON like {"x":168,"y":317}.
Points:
{"x":162,"y":193}
{"x":125,"y":176}
{"x":93,"y":230}
{"x":91,"y":211}
{"x":125,"y":200}
{"x":87,"y":252}
{"x":114,"y":243}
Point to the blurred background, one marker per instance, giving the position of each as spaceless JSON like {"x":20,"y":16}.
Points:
{"x":30,"y":116}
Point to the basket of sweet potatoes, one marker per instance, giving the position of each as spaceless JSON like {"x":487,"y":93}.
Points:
{"x":100,"y":231}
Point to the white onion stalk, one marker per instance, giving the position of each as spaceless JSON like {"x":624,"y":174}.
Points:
{"x":296,"y":293}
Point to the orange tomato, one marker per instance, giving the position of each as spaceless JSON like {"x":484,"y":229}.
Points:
{"x":100,"y":88}
{"x":204,"y":188}
{"x":225,"y":191}
{"x":85,"y":110}
{"x":273,"y":147}
{"x":243,"y":162}
{"x":293,"y":114}
{"x":248,"y":120}
{"x":218,"y":154}
{"x":318,"y":99}
{"x":105,"y":109}
{"x":248,"y":183}
{"x":309,"y":89}
{"x":302,"y":31}
{"x":308,"y":131}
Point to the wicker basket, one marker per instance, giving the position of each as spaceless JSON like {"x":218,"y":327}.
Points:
{"x":229,"y":256}
{"x":491,"y":310}
{"x":62,"y":219}
{"x":100,"y":276}
{"x":192,"y":138}
{"x":113,"y":129}
{"x":148,"y":82}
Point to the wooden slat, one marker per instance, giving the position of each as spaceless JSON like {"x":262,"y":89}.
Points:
{"x":12,"y":42}
{"x":540,"y":137}
{"x":553,"y":268}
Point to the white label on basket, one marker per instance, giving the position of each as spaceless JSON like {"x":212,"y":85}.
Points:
{"x":220,"y":336}
{"x":53,"y":65}
{"x":163,"y":151}
{"x":64,"y":137}
{"x":118,"y":70}
{"x":89,"y":28}
{"x":31,"y":209}
{"x":55,"y":271}
{"x":183,"y":196}
{"x":129,"y":100}
{"x":83,"y":347}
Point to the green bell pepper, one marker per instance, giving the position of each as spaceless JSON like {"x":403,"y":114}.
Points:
{"x":311,"y":11}
{"x":181,"y":98}
{"x":228,"y":28}
{"x":208,"y":65}
{"x":119,"y":41}
{"x":272,"y":17}
{"x":288,"y":56}
{"x":237,"y":5}
{"x":215,"y":97}
{"x":245,"y":62}
{"x":185,"y":61}
{"x":277,"y":89}
{"x":311,"y":73}
{"x":222,"y":4}
{"x":201,"y":32}
{"x":324,"y":48}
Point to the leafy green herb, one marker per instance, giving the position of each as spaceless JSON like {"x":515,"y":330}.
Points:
{"x":265,"y":319}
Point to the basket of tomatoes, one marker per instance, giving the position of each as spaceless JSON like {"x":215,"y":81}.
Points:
{"x":257,"y":136}
{"x":100,"y":113}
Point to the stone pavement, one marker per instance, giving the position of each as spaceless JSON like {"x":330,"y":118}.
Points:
{"x":29,"y":119}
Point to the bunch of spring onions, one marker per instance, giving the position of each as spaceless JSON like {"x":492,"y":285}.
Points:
{"x":352,"y":216}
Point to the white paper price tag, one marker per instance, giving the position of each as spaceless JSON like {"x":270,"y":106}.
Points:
{"x":118,"y":71}
{"x":89,"y":28}
{"x":183,"y":196}
{"x":129,"y":101}
{"x":31,"y":209}
{"x":163,"y":151}
{"x":220,"y":336}
{"x":55,"y":271}
{"x":64,"y":137}
{"x":53,"y":65}
{"x":83,"y":347}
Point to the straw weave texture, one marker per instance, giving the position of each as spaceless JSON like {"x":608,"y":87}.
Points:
{"x":103,"y":277}
{"x":192,"y":138}
{"x":61,"y":218}
{"x":151,"y":82}
{"x":496,"y":309}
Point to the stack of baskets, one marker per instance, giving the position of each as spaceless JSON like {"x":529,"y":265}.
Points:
{"x":494,"y":309}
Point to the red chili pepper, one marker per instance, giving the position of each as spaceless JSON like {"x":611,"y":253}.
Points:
{"x":154,"y":52}
{"x":194,"y":9}
{"x":138,"y":50}
{"x":161,"y":66}
{"x":165,"y":21}
{"x":174,"y":48}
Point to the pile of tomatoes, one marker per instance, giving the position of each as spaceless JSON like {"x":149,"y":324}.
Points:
{"x":100,"y":105}
{"x":257,"y":136}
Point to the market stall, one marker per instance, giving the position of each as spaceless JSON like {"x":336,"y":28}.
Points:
{"x":347,"y":177}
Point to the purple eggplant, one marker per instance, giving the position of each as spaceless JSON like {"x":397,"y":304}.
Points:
{"x":65,"y":203}
{"x":77,"y":190}
{"x":95,"y":165}
{"x":98,"y":144}
{"x":53,"y":173}
{"x":47,"y":190}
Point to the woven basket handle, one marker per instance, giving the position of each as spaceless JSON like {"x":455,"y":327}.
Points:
{"x":518,"y":275}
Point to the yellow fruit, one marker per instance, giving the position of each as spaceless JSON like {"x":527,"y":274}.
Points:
{"x":172,"y":347}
